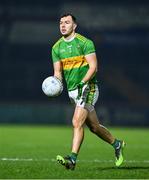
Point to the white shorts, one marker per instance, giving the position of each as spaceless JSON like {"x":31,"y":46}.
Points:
{"x":88,"y":100}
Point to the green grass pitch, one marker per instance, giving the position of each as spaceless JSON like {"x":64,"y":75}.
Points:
{"x":29,"y":152}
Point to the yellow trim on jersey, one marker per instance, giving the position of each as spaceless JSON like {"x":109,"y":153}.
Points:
{"x":74,"y":62}
{"x":82,"y":38}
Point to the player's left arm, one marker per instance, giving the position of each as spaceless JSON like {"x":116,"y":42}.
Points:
{"x":92,"y":61}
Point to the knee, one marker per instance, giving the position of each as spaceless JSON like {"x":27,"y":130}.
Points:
{"x":75,"y":123}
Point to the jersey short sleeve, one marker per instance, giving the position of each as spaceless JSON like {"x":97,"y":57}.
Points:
{"x":55,"y":56}
{"x":89,"y":47}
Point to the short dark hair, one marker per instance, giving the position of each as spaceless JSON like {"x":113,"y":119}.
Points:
{"x":69,"y":14}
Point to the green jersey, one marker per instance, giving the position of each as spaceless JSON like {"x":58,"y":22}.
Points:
{"x":72,"y":56}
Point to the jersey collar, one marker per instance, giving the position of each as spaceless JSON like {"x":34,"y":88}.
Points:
{"x":69,"y":40}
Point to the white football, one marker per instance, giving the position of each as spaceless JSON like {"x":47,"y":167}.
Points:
{"x":52,"y":86}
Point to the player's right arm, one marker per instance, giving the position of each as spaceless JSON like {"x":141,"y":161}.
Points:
{"x":58,"y":69}
{"x":57,"y":65}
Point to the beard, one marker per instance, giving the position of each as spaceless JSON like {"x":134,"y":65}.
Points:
{"x":67,"y":33}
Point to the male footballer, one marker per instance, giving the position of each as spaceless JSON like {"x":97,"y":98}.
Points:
{"x":74,"y":56}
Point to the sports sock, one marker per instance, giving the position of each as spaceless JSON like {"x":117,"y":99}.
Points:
{"x":116,"y":143}
{"x":73,"y":156}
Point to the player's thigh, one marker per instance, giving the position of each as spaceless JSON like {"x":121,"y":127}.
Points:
{"x":79,"y":117}
{"x":92,"y":120}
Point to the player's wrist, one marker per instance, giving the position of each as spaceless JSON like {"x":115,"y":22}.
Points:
{"x":59,"y":78}
{"x":83,"y":82}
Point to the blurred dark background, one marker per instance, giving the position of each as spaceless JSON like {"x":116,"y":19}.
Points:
{"x":120,"y":31}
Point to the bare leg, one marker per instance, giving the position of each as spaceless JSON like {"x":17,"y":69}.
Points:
{"x":79,"y":118}
{"x":94,"y":125}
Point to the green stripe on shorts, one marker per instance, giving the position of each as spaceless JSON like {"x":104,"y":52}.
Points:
{"x":91,"y":94}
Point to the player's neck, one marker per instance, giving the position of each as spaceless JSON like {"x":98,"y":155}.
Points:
{"x":70,"y":37}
